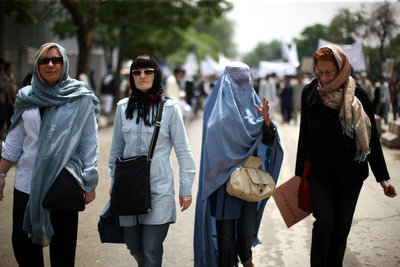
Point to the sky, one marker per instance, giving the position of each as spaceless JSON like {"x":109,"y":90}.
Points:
{"x":266,"y":20}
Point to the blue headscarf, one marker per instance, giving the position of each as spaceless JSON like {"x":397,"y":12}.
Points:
{"x":232,"y":130}
{"x":68,"y":106}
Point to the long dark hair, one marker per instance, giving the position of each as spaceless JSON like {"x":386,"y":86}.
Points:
{"x":146,"y":104}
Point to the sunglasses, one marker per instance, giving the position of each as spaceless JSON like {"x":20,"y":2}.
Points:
{"x":146,"y":72}
{"x":54,"y":60}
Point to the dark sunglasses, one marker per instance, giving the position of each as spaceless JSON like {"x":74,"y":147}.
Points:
{"x":146,"y":72}
{"x":54,"y":60}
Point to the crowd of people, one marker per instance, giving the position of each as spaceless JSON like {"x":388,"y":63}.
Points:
{"x":52,"y":127}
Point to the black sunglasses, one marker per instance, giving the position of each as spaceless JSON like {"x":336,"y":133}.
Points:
{"x":54,"y":60}
{"x":146,"y":72}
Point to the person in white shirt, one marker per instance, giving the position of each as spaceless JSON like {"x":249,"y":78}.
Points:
{"x":54,"y":128}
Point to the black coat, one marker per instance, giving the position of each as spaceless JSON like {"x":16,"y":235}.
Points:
{"x":331,"y":152}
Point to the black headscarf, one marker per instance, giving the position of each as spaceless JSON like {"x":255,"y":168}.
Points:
{"x":146,"y":104}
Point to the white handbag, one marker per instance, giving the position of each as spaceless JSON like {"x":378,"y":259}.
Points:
{"x":250,"y":182}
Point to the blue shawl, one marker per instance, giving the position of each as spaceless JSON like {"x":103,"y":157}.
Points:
{"x":69,"y":105}
{"x":232,"y":130}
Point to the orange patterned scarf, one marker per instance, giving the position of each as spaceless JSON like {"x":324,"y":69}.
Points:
{"x":339,"y":94}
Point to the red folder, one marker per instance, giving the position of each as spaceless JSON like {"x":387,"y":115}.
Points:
{"x":285,"y":198}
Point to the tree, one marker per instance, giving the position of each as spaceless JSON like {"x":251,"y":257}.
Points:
{"x":155,"y":27}
{"x":383,"y":25}
{"x":18,"y":9}
{"x":205,"y":38}
{"x":263,"y":51}
{"x":308,"y":42}
{"x":346,"y":27}
{"x":84,"y":14}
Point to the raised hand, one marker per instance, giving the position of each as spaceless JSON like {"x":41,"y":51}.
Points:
{"x":264,"y":111}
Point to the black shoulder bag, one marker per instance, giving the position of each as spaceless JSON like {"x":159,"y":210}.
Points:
{"x":131,"y":193}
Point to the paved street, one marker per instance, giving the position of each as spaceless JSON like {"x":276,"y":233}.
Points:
{"x":374,"y":239}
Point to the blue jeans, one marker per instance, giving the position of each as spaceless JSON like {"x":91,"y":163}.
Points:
{"x":145,"y":243}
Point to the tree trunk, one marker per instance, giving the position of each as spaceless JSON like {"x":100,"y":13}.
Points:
{"x":381,"y":56}
{"x":85,"y":41}
{"x":117,"y":92}
{"x":85,"y":32}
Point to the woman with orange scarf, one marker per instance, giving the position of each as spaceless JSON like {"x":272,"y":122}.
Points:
{"x":338,"y":135}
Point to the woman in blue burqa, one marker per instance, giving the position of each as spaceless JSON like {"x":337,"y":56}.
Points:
{"x":236,"y":126}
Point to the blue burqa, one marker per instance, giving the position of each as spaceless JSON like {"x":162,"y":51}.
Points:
{"x":232,"y":130}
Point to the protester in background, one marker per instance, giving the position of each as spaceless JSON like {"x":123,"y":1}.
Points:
{"x":107,"y":90}
{"x":5,"y":87}
{"x":54,"y":127}
{"x":12,"y":92}
{"x":338,"y":135}
{"x":376,"y":102}
{"x":393,"y":98}
{"x":297,"y":89}
{"x":384,"y":99}
{"x":366,"y":85}
{"x":86,"y":80}
{"x":236,"y":125}
{"x":173,"y":84}
{"x":133,"y":128}
{"x":268,"y":90}
{"x":287,"y":100}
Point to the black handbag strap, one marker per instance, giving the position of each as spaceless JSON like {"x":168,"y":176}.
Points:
{"x":157,"y":128}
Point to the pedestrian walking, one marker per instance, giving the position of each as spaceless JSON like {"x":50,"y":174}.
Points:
{"x":236,"y":126}
{"x":133,"y":128}
{"x":54,"y":129}
{"x":394,"y":91}
{"x":12,"y":92}
{"x":267,"y":89}
{"x":174,"y":84}
{"x":287,"y":100}
{"x":297,"y":89}
{"x":338,"y":135}
{"x":5,"y":87}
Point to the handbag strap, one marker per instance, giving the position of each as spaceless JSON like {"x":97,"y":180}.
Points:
{"x":156,"y":129}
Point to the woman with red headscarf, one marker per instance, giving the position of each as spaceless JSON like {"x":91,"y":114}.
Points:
{"x":338,"y":135}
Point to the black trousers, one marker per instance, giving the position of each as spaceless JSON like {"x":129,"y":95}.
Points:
{"x":333,"y":206}
{"x":63,"y":243}
{"x":235,"y":237}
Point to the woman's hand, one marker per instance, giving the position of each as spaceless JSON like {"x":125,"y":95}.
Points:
{"x":264,"y":111}
{"x":185,"y":202}
{"x":388,"y":188}
{"x":89,"y":197}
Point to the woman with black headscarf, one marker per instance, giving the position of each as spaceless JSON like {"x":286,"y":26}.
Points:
{"x":133,"y":129}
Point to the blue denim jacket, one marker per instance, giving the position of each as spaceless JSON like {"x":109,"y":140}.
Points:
{"x":132,"y":139}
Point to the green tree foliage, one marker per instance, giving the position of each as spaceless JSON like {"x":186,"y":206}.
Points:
{"x":205,"y":38}
{"x":263,"y":52}
{"x":308,"y":41}
{"x":383,"y":24}
{"x":19,"y":10}
{"x":83,"y":15}
{"x":156,"y":27}
{"x":346,"y":27}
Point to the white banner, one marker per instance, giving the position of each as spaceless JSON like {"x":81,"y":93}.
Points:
{"x":210,"y":67}
{"x":279,"y":68}
{"x":353,"y":51}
